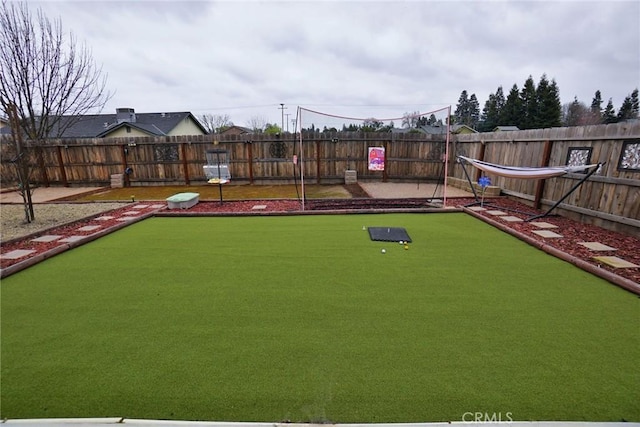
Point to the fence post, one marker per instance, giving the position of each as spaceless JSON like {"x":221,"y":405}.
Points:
{"x":63,"y":174}
{"x":546,"y":156}
{"x":185,"y":164}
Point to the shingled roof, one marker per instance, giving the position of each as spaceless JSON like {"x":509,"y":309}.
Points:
{"x":101,"y":125}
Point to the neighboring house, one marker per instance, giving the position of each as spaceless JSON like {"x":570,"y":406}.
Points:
{"x":126,"y":122}
{"x":236,"y":130}
{"x":462,"y":129}
{"x":505,"y":128}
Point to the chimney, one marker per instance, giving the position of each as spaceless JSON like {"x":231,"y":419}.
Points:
{"x":125,"y":115}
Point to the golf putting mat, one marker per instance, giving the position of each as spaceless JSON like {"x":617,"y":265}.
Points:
{"x":389,"y":234}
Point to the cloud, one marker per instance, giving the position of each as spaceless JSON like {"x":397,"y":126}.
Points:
{"x":244,"y":58}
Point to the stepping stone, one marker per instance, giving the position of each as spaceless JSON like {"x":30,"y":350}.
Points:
{"x":477,"y":208}
{"x":542,"y":224}
{"x":615,"y":262}
{"x":259,"y":207}
{"x":157,"y":206}
{"x":89,"y":228}
{"x":547,"y":234}
{"x":72,"y":239}
{"x":597,"y":246}
{"x":131,"y":213}
{"x":140,"y":207}
{"x":496,"y":213}
{"x":125,"y":218}
{"x":104,"y":218}
{"x":18,"y":253}
{"x":510,"y":218}
{"x":46,"y":238}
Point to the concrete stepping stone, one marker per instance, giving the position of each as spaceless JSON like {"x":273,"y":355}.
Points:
{"x":18,"y":253}
{"x":496,"y":213}
{"x":89,"y":227}
{"x":46,"y":238}
{"x":477,"y":208}
{"x":104,"y":218}
{"x":125,"y":218}
{"x":157,"y":206}
{"x":140,"y":207}
{"x":510,"y":218}
{"x":131,"y":213}
{"x":259,"y":207}
{"x":615,"y":262}
{"x":72,"y":239}
{"x":542,"y":224}
{"x":597,"y":246}
{"x":547,"y":234}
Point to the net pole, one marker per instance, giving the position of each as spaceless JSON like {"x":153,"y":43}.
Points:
{"x":446,"y":158}
{"x":301,"y":159}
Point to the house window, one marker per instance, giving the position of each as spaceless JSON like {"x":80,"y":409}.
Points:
{"x":128,"y":129}
{"x":166,"y":152}
{"x":630,"y":156}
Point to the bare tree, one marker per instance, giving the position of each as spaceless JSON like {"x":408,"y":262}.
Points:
{"x":47,"y":83}
{"x":215,"y":123}
{"x":257,"y":123}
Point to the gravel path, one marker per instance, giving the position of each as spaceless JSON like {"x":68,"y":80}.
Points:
{"x":12,"y":217}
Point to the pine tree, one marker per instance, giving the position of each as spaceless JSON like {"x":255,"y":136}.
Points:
{"x":609,"y":114}
{"x":596,"y":104}
{"x":528,"y":98}
{"x":474,"y":111}
{"x":511,"y":114}
{"x":635,"y":105}
{"x":490,"y":115}
{"x":626,"y":110}
{"x":462,"y":108}
{"x":548,"y":102}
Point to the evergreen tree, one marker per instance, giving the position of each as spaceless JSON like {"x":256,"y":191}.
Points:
{"x":548,"y":101}
{"x":626,"y":110}
{"x":474,"y":111}
{"x":528,"y":97}
{"x":462,"y":108}
{"x":609,"y":114}
{"x":635,"y":104}
{"x":511,"y":114}
{"x":490,"y":115}
{"x":596,"y":104}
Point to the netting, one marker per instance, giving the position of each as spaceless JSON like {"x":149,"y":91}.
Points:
{"x":380,"y":124}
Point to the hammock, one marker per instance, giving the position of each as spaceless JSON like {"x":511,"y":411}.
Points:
{"x":526,"y":172}
{"x":529,"y":173}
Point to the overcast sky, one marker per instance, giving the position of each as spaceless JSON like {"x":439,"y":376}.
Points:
{"x":356,"y":58}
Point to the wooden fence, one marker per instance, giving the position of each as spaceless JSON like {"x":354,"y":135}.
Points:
{"x":609,"y":198}
{"x":612,"y":196}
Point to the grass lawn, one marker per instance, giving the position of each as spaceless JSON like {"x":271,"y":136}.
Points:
{"x":302,"y":318}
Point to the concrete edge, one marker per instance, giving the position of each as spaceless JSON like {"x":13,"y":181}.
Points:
{"x":613,"y":278}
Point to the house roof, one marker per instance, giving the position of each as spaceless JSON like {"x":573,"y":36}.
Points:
{"x":100,"y":125}
{"x":236,"y":129}
{"x":505,"y":128}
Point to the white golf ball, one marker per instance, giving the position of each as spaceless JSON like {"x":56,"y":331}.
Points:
{"x":384,"y":251}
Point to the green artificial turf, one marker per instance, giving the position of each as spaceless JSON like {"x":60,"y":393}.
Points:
{"x":302,"y":318}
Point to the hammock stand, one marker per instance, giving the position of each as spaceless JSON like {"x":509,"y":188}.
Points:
{"x":527,"y":173}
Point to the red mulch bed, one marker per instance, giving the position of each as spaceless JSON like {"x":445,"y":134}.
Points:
{"x":573,"y":232}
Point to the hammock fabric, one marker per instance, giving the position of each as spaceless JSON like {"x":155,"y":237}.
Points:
{"x":526,"y":172}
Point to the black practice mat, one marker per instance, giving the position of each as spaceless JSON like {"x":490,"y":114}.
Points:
{"x":389,"y":234}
